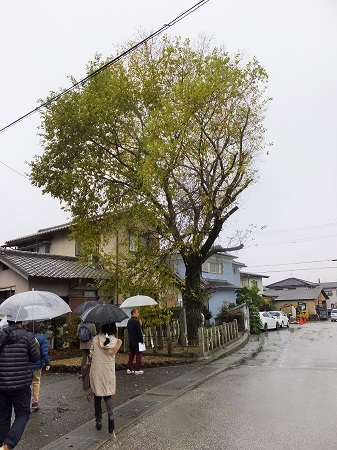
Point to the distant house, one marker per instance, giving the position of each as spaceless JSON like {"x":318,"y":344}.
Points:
{"x":303,"y":294}
{"x":330,"y":289}
{"x":292,"y":283}
{"x":250,"y":279}
{"x":220,"y":277}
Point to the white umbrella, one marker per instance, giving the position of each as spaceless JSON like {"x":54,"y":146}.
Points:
{"x":33,"y":305}
{"x":138,"y":300}
{"x":3,"y":321}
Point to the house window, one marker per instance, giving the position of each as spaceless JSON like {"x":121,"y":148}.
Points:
{"x":136,"y":241}
{"x":329,"y":293}
{"x":212,"y":267}
{"x":43,"y":247}
{"x":78,"y":251}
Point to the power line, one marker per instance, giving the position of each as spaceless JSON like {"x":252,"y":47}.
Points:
{"x":11,"y":168}
{"x":308,"y":227}
{"x":180,"y":17}
{"x":296,"y":241}
{"x":290,"y":269}
{"x":293,"y":263}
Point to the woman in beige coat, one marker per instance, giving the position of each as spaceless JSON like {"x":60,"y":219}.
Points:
{"x":102,"y":373}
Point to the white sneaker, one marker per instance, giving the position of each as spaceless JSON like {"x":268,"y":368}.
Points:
{"x":139,"y":372}
{"x":130,"y":372}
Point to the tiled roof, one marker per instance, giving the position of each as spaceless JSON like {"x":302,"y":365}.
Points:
{"x":40,"y":233}
{"x":29,"y":264}
{"x":250,"y":274}
{"x":218,"y":284}
{"x":298,"y":294}
{"x":292,"y":282}
{"x":329,"y":285}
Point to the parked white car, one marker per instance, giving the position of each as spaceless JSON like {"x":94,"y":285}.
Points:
{"x":282,"y":318}
{"x":268,"y":321}
{"x":333,"y":315}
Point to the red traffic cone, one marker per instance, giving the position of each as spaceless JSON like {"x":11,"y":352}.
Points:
{"x":304,"y":320}
{"x":301,"y":321}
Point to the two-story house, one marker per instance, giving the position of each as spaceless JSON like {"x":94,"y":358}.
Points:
{"x":220,"y":277}
{"x":249,"y":279}
{"x":330,"y":289}
{"x":47,"y":260}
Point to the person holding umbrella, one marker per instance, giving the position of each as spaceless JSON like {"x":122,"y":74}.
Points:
{"x":102,"y":372}
{"x":135,"y":337}
{"x":101,"y":314}
{"x":18,"y":349}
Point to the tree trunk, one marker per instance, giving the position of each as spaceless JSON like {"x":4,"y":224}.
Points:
{"x":193,"y":297}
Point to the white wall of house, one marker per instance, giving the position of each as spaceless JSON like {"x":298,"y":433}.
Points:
{"x":248,"y":280}
{"x":62,"y":245}
{"x":217,"y":300}
{"x":9,"y":278}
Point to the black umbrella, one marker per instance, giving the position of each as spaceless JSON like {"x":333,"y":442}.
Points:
{"x":104,"y":314}
{"x":86,"y":305}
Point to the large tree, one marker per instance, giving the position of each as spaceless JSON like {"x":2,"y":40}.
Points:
{"x":164,"y":140}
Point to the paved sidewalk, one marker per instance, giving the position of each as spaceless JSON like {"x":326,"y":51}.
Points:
{"x":87,"y":437}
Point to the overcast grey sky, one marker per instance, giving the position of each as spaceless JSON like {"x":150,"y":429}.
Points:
{"x":292,"y":206}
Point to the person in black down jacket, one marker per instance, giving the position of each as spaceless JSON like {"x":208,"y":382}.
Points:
{"x":135,"y":336}
{"x":18,"y":349}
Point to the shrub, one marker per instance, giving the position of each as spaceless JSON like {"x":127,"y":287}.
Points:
{"x":228,"y":314}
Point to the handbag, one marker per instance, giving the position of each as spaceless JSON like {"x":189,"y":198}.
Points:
{"x":86,"y":376}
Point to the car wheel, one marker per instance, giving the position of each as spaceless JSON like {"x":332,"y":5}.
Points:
{"x":265,"y":327}
{"x":277,"y":325}
{"x":282,"y":324}
{"x":288,"y":325}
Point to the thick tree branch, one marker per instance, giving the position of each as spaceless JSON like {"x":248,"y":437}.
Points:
{"x":219,"y":249}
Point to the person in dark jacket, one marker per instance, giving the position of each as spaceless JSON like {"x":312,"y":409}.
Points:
{"x":42,"y":363}
{"x":85,"y":346}
{"x":19,"y":349}
{"x":135,"y":337}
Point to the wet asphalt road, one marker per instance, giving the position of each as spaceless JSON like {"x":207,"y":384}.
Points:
{"x":65,"y":405}
{"x":285,"y":398}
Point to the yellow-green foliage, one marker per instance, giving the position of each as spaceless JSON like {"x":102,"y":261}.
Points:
{"x":153,"y":316}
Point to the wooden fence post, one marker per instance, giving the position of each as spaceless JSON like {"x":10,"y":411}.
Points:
{"x":155,"y":341}
{"x":201,"y":341}
{"x":126,"y":341}
{"x":236,"y":328}
{"x":160,"y":337}
{"x":218,"y":336}
{"x":183,"y":328}
{"x":169,"y":339}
